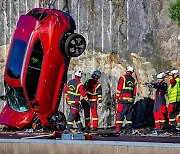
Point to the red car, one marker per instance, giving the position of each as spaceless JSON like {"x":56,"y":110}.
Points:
{"x":36,"y":69}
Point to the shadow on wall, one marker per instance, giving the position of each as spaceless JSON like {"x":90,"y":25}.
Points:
{"x":143,"y":114}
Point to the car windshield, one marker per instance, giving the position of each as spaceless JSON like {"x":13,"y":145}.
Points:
{"x":16,"y":58}
{"x":16,"y":99}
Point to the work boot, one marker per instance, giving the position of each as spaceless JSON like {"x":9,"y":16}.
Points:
{"x":128,"y":131}
{"x":87,"y":129}
{"x":154,"y":132}
{"x":67,"y":131}
{"x":135,"y":132}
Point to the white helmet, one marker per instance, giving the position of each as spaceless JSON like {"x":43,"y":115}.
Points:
{"x":130,"y":69}
{"x":161,"y":75}
{"x":174,"y":72}
{"x":78,"y":73}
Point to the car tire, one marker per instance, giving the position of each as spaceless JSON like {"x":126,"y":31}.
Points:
{"x":75,"y":45}
{"x":58,"y":121}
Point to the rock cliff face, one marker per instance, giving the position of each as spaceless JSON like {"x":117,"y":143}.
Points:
{"x":118,"y":33}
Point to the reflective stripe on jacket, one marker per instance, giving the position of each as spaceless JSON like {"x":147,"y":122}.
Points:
{"x":73,"y":90}
{"x":93,"y":90}
{"x":73,"y":87}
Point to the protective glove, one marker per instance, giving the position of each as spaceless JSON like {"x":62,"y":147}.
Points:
{"x":99,"y":105}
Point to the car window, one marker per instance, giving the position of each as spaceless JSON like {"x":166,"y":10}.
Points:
{"x":34,"y":69}
{"x":16,"y":58}
{"x":40,"y":15}
{"x":16,"y":99}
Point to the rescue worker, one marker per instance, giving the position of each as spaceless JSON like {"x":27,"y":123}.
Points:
{"x":174,"y":99}
{"x":125,"y":95}
{"x":72,"y":91}
{"x":94,"y":92}
{"x":159,"y":101}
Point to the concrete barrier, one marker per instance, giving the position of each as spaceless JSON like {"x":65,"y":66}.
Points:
{"x":16,"y":146}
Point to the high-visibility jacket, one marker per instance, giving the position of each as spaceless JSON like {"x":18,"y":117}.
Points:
{"x":174,"y":92}
{"x":73,"y":90}
{"x":126,"y":89}
{"x":93,"y":89}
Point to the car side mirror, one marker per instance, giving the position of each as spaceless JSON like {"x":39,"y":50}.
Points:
{"x":35,"y":103}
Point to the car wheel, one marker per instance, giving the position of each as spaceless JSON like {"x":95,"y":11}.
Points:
{"x":58,"y":121}
{"x":63,"y":40}
{"x":75,"y":45}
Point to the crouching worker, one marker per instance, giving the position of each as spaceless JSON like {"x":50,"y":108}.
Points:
{"x":125,"y":95}
{"x":160,"y":110}
{"x":72,"y":91}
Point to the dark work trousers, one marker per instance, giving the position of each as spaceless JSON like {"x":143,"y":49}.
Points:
{"x":124,"y":109}
{"x":74,"y":115}
{"x":174,"y":113}
{"x":93,"y":108}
